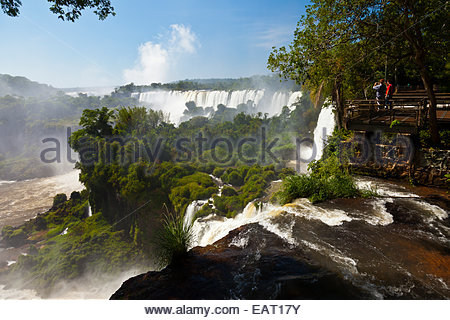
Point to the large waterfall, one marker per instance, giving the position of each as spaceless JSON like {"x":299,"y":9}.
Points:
{"x":173,"y":102}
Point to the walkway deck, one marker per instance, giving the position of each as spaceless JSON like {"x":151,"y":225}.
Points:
{"x":409,"y":111}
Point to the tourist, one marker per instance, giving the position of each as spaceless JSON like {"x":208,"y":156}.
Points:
{"x":380,"y":91}
{"x":389,"y":93}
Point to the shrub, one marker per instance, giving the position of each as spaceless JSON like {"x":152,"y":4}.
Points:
{"x":235,"y":179}
{"x":328,"y":180}
{"x":173,"y":240}
{"x":205,"y":210}
{"x":59,"y":199}
{"x":75,"y":196}
{"x":14,"y":236}
{"x":218,"y":172}
{"x":228,"y":191}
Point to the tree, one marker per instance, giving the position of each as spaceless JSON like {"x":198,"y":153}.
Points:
{"x":421,"y":25}
{"x":65,"y":9}
{"x":339,"y":46}
{"x":324,"y":51}
{"x":97,"y":122}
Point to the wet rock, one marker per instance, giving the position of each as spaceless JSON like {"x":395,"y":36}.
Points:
{"x":402,"y":213}
{"x":249,"y":263}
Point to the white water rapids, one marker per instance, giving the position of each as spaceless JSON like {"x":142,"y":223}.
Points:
{"x":209,"y":229}
{"x":22,"y":200}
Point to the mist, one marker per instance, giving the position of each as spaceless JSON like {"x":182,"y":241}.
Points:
{"x":157,"y":61}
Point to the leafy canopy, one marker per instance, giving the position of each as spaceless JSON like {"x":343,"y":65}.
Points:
{"x":69,"y":10}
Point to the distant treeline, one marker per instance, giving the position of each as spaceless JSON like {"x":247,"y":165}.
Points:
{"x":24,"y":122}
{"x":21,"y":86}
{"x":251,"y":83}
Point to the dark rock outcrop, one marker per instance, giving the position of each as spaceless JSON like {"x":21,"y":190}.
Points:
{"x":249,"y":263}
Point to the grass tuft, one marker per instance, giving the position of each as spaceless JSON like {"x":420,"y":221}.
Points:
{"x":173,"y":240}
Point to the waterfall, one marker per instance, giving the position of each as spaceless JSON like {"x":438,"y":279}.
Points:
{"x":191,"y":210}
{"x":213,"y":228}
{"x":89,"y":212}
{"x":324,"y":128}
{"x":196,"y":205}
{"x":173,"y":102}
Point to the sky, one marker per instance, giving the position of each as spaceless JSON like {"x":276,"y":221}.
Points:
{"x":147,"y":41}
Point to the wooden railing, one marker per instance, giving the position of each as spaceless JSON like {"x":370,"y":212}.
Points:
{"x":410,"y":109}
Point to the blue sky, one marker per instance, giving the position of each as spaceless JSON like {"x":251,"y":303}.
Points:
{"x":147,"y":41}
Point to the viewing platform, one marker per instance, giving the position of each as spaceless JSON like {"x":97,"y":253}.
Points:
{"x":409,"y":113}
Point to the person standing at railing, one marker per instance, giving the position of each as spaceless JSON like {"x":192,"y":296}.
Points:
{"x":380,"y":92}
{"x":389,"y":93}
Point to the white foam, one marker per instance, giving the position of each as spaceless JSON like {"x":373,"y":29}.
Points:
{"x":335,"y":254}
{"x":304,"y":208}
{"x":240,"y":242}
{"x":212,"y":228}
{"x":433,"y":210}
{"x":379,"y":216}
{"x":384,"y":188}
{"x":15,"y":294}
{"x":89,"y":213}
{"x":191,"y":210}
{"x":6,"y":182}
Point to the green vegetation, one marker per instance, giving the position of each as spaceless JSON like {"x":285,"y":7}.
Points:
{"x":198,"y":186}
{"x":70,"y":243}
{"x":425,"y":138}
{"x":134,"y":172}
{"x":60,"y":198}
{"x":327,"y":180}
{"x":14,"y":237}
{"x":173,"y":241}
{"x":25,"y":122}
{"x":341,"y":47}
{"x":252,"y":186}
{"x":21,"y":86}
{"x":69,"y":10}
{"x":329,"y":177}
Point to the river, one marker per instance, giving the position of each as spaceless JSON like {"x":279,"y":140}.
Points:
{"x":396,"y":246}
{"x":23,"y":200}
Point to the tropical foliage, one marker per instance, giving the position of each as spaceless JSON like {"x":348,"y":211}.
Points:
{"x":341,"y":47}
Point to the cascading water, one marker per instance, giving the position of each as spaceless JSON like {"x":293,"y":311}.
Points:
{"x":191,"y":210}
{"x":89,"y":212}
{"x":196,"y":205}
{"x":324,"y":128}
{"x":173,"y":102}
{"x":387,"y":246}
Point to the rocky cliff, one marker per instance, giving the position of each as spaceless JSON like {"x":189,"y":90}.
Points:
{"x":249,"y":263}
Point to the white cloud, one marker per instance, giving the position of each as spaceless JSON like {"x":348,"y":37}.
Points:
{"x":152,"y":66}
{"x":157,"y":60}
{"x":183,"y":39}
